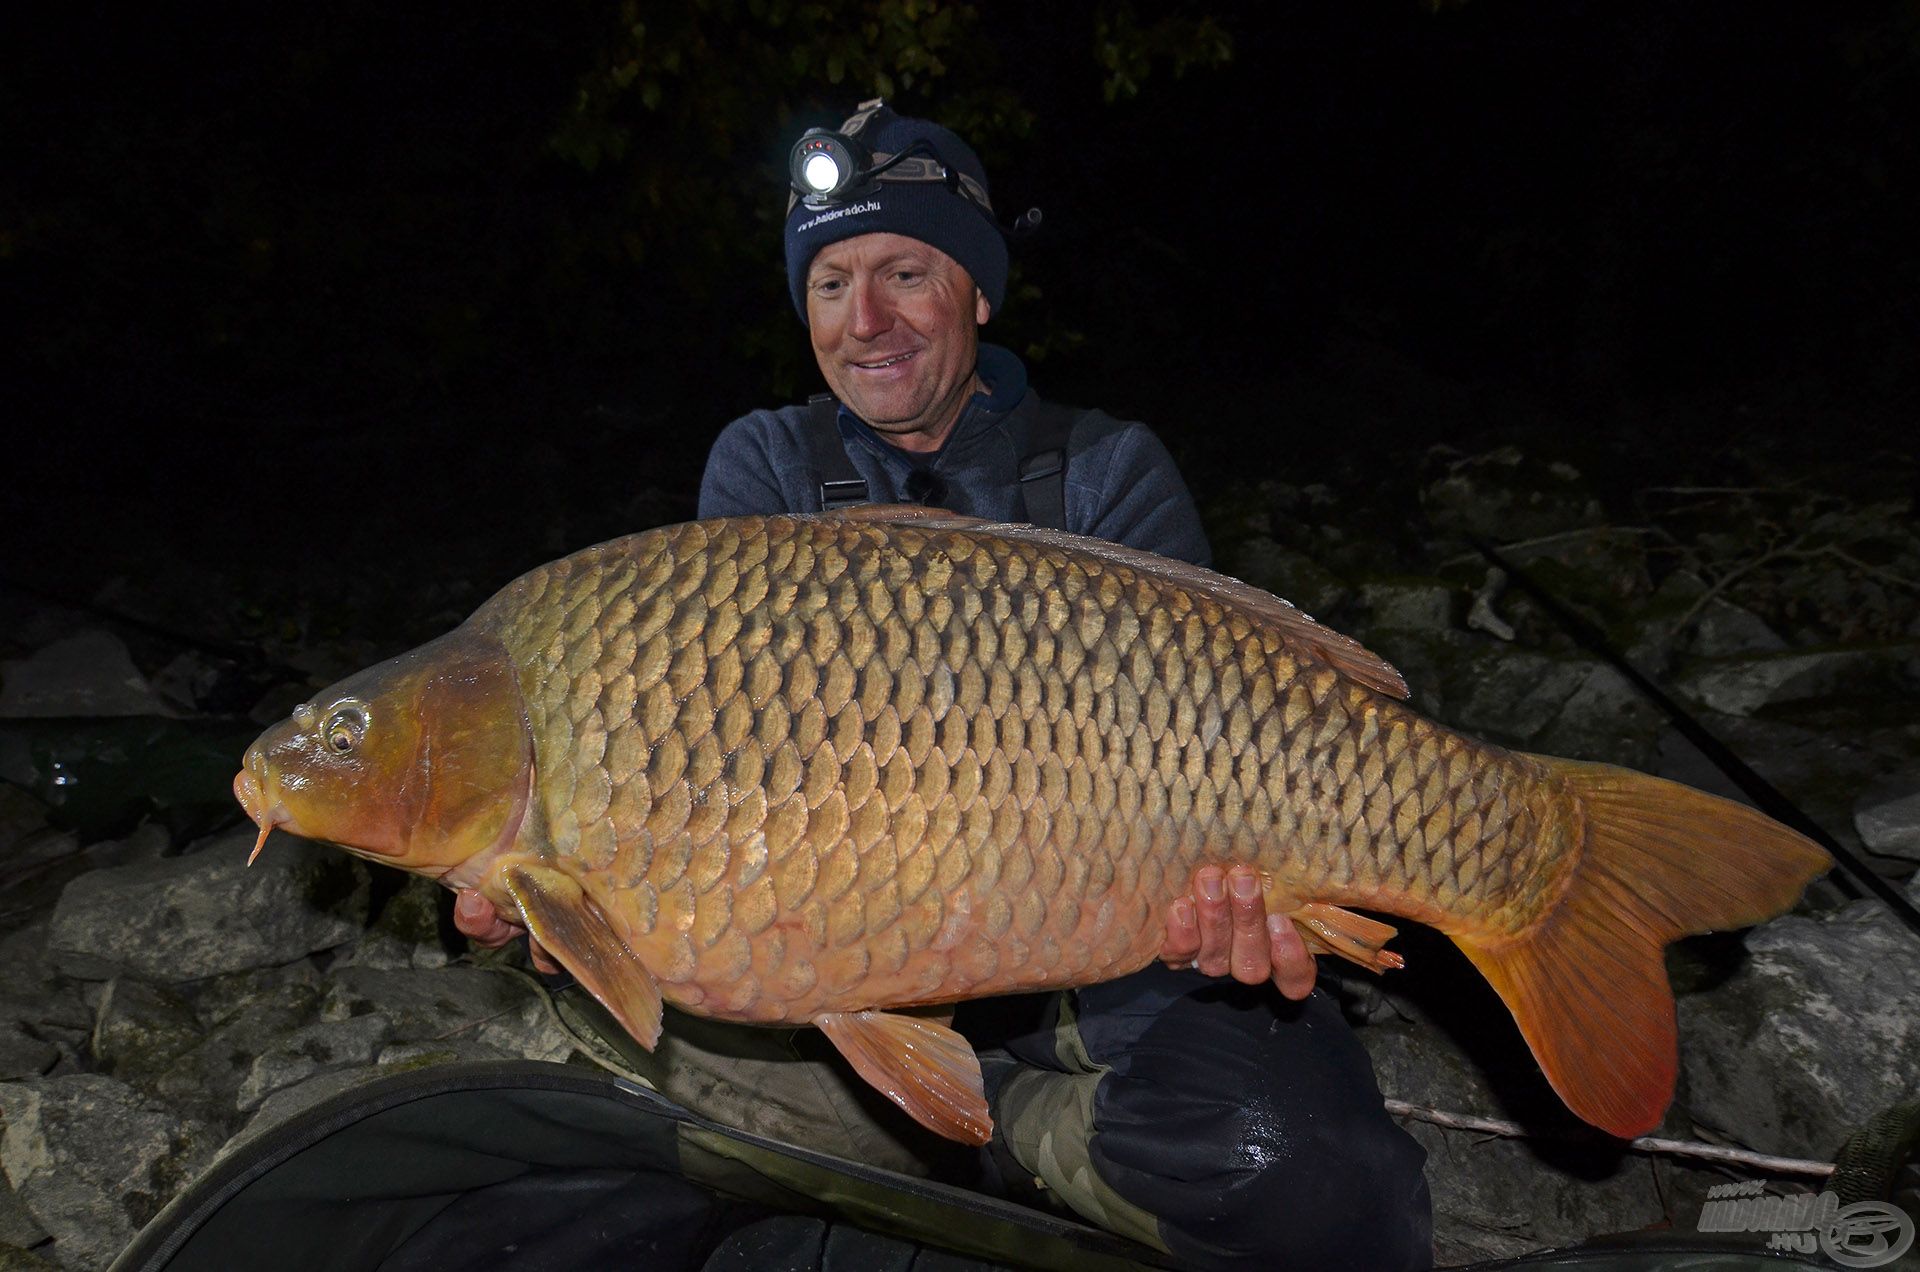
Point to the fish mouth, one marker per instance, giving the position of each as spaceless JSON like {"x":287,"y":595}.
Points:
{"x":252,"y":794}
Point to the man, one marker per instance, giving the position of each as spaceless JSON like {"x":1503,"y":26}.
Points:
{"x":1205,"y":1118}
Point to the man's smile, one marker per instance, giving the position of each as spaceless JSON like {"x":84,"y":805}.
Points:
{"x":880,"y":364}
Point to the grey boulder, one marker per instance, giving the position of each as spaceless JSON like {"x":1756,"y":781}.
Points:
{"x":1817,"y":1033}
{"x":184,"y":918}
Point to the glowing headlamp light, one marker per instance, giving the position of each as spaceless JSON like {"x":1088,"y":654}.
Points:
{"x":826,"y":165}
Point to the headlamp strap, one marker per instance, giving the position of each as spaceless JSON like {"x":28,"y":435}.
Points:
{"x":858,"y":120}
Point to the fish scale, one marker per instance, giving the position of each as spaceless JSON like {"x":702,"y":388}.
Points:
{"x":877,"y":813}
{"x":816,"y":770}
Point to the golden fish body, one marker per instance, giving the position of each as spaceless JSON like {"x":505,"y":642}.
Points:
{"x":811,"y":766}
{"x":793,"y":769}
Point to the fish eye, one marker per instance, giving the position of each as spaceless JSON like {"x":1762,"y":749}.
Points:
{"x":345,"y":727}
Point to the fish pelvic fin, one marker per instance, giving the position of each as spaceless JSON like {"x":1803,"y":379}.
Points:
{"x":562,"y":917}
{"x":1332,"y":929}
{"x":919,"y":1064}
{"x":1587,"y":982}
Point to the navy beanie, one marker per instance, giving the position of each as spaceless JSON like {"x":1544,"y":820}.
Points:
{"x":924,"y":210}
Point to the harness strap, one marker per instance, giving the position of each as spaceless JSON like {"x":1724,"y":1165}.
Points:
{"x":841,"y":485}
{"x":1043,"y":471}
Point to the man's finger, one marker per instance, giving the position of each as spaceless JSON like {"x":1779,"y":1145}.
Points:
{"x":1183,"y":935}
{"x":1216,"y":926}
{"x":1252,"y":963}
{"x":542,"y":961}
{"x":478,"y":920}
{"x":1294,"y":970}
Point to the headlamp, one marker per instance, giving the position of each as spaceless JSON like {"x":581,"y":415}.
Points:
{"x":828,"y":167}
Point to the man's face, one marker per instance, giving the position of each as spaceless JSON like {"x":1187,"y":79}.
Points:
{"x":895,"y":325}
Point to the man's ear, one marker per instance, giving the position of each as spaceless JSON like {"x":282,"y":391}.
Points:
{"x":981,"y":309}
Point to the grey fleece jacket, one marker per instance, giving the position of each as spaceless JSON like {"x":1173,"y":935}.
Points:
{"x":1121,"y":485}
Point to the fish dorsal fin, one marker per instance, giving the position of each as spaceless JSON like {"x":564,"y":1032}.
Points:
{"x":1299,"y":630}
{"x":919,"y":1064}
{"x":562,"y":917}
{"x":891,"y":514}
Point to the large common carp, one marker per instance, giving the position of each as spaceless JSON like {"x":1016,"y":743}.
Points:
{"x":822,"y":769}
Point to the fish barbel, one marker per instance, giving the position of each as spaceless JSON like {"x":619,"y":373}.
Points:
{"x":821,"y":769}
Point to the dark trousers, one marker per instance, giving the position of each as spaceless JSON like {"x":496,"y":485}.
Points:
{"x":1215,"y":1120}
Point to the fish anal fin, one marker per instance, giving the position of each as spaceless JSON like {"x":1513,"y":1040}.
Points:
{"x":1329,"y":929}
{"x":563,"y":918}
{"x":924,"y":1067}
{"x":1586,"y":981}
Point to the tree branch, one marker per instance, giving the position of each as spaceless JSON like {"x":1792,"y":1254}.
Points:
{"x":1740,"y":1157}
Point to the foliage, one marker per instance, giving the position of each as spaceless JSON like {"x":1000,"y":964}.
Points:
{"x":689,"y":111}
{"x":1127,"y":50}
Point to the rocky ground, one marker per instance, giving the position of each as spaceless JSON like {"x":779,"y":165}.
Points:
{"x":162,"y":1001}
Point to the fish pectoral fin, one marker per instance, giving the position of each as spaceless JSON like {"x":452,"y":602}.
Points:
{"x":924,"y":1067}
{"x":1329,"y":929}
{"x":562,"y":917}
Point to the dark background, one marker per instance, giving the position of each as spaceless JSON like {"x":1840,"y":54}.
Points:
{"x":429,"y":294}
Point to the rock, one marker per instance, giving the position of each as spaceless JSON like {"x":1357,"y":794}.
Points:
{"x":440,"y":1005}
{"x":1819,"y":1031}
{"x":289,"y":1102}
{"x":404,"y":1057}
{"x":1498,"y":1198}
{"x":1293,"y":576}
{"x":319,"y":1047}
{"x":1408,"y":604}
{"x":183,"y":918}
{"x":1575,"y":707}
{"x":1505,"y":495}
{"x":407,"y":931}
{"x":1741,"y":686}
{"x":20,"y":816}
{"x":15,"y":1259}
{"x":295,"y":987}
{"x":43,"y":1021}
{"x":1723,"y":629}
{"x":141,"y":1028}
{"x":86,"y":674}
{"x":1605,"y":718}
{"x":1888,"y":818}
{"x":191,"y":679}
{"x":93,"y":1160}
{"x":245,"y":1016}
{"x":17,"y":1226}
{"x":527,"y":1032}
{"x":23,"y":1054}
{"x":149,"y":841}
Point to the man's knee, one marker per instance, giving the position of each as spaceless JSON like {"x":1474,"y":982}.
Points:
{"x":1251,"y":1128}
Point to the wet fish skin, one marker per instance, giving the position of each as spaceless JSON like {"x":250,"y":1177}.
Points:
{"x":800,"y":769}
{"x":841,"y":736}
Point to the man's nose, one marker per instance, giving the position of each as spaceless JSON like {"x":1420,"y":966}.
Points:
{"x":872,"y":314}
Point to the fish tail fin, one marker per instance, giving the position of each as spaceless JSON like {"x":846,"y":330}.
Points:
{"x":1587,"y":982}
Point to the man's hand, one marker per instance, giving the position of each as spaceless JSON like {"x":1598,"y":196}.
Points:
{"x":1216,"y":935}
{"x":486,"y":927}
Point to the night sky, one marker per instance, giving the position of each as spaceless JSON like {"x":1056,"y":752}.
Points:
{"x":303,"y":284}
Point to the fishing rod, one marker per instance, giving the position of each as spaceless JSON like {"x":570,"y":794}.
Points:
{"x":1765,"y":795}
